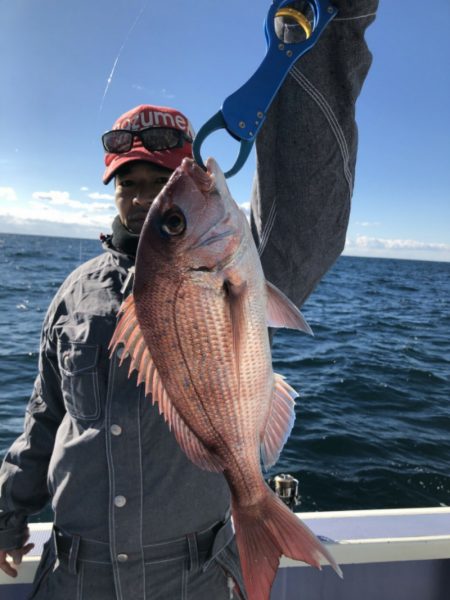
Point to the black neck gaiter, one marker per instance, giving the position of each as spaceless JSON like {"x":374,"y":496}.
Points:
{"x":122,"y":239}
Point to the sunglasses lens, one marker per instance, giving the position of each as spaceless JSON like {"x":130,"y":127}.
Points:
{"x":117,"y":141}
{"x":160,"y":138}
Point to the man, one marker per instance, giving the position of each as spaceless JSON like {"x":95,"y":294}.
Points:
{"x":121,"y":486}
{"x":134,"y":518}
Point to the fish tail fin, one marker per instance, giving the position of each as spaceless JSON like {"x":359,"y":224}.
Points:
{"x":266,"y":531}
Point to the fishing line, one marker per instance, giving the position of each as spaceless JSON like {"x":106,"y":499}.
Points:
{"x":130,"y":31}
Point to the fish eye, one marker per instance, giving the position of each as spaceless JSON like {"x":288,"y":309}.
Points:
{"x":173,"y":222}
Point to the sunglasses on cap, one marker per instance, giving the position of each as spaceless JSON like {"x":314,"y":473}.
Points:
{"x":119,"y":141}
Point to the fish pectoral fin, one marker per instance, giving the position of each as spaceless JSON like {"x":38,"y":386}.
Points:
{"x":281,"y":312}
{"x":236,"y":295}
{"x":129,"y":333}
{"x":279,"y":422}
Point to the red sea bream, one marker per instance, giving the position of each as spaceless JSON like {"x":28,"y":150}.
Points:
{"x":196,"y":330}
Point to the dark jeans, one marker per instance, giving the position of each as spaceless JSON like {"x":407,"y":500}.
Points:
{"x":196,"y":567}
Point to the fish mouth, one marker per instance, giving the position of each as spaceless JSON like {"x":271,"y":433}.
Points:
{"x":203,"y":180}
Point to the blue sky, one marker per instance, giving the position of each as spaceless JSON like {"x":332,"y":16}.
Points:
{"x":57,"y":58}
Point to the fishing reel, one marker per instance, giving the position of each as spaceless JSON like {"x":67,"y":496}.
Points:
{"x":286,"y":488}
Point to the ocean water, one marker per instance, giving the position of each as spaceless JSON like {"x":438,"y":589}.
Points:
{"x":373,"y":417}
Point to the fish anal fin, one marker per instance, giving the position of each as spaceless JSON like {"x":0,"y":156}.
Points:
{"x":281,"y":312}
{"x":279,"y":422}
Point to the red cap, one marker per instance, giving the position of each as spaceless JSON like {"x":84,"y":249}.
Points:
{"x":142,"y":117}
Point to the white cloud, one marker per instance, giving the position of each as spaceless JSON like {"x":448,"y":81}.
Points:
{"x":163,"y":92}
{"x":363,"y":241}
{"x":41,"y":214}
{"x":363,"y":245}
{"x":166,"y":94}
{"x":97,"y":196}
{"x":58,"y":198}
{"x":8,"y":194}
{"x":245,"y":207}
{"x":14,"y":224}
{"x":368,"y":223}
{"x":84,"y":189}
{"x":99,"y":206}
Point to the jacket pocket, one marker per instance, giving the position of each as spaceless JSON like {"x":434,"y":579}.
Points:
{"x":79,"y":379}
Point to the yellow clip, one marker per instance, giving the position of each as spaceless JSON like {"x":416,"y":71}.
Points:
{"x":298,"y":17}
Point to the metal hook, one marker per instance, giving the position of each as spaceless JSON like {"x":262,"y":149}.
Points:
{"x":298,"y":17}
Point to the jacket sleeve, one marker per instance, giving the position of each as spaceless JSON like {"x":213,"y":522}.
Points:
{"x":23,"y":475}
{"x":306,"y":154}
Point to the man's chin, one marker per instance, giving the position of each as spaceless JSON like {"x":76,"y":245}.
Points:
{"x":135,"y":226}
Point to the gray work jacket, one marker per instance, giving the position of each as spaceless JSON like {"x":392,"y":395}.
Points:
{"x":93,"y":442}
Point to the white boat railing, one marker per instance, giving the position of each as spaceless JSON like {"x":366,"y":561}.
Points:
{"x":367,"y":538}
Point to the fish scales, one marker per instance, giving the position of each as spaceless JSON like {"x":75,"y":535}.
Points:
{"x":209,"y":365}
{"x":206,"y":364}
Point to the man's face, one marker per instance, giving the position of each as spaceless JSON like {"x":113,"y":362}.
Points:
{"x":137,"y":186}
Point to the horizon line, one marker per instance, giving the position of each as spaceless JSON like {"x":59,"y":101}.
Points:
{"x":345,"y":253}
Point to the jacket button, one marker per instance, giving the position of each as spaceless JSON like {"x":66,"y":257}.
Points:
{"x":120,"y":501}
{"x":116,"y":429}
{"x":122,"y":557}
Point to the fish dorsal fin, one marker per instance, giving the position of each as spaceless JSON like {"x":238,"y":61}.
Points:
{"x":279,"y":422}
{"x":128,"y":332}
{"x":281,"y":312}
